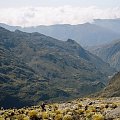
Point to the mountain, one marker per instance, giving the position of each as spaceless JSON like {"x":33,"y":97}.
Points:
{"x":9,"y":27}
{"x":87,"y":34}
{"x":110,"y":53}
{"x":111,"y":24}
{"x":35,"y":67}
{"x":19,"y":84}
{"x":113,"y":88}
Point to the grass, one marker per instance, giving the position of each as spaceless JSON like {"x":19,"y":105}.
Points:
{"x":80,"y":109}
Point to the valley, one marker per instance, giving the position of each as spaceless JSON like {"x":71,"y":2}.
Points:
{"x":48,"y":69}
{"x":74,"y":82}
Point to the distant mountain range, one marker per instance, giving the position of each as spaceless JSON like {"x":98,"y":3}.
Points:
{"x":110,"y":53}
{"x":111,"y":24}
{"x":35,"y":67}
{"x":89,"y":34}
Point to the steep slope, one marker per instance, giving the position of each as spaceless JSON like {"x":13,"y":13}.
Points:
{"x":85,"y":34}
{"x":14,"y":76}
{"x":49,"y":69}
{"x":110,"y":53}
{"x":113,"y":88}
{"x":20,"y":85}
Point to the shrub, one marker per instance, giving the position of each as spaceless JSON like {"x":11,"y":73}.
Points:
{"x":58,"y":112}
{"x":19,"y":117}
{"x":52,"y":115}
{"x":98,"y":117}
{"x":33,"y":113}
{"x":80,"y":105}
{"x":92,"y":108}
{"x":81,"y":111}
{"x":113,"y":106}
{"x":26,"y":118}
{"x":59,"y":117}
{"x":45,"y":115}
{"x":67,"y":117}
{"x":2,"y":118}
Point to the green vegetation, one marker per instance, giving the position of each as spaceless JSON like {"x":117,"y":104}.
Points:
{"x":113,"y":88}
{"x":80,"y":109}
{"x":35,"y":68}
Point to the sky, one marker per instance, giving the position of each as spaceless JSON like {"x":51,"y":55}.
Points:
{"x":48,"y":12}
{"x":56,"y":3}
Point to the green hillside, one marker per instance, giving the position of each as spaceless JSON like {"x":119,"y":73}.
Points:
{"x":35,"y":67}
{"x":113,"y":88}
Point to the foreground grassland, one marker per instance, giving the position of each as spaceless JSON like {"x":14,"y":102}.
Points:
{"x":80,"y":109}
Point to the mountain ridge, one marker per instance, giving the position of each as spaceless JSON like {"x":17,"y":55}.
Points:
{"x":88,"y":34}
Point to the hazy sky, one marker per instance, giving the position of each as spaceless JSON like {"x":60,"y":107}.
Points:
{"x":83,"y":3}
{"x":46,"y":12}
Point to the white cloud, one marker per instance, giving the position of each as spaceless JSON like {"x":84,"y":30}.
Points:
{"x":32,"y":16}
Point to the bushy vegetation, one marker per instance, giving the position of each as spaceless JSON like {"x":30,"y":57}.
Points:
{"x":80,"y":109}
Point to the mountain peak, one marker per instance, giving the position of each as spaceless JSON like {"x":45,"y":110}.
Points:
{"x":71,"y":41}
{"x":18,"y":31}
